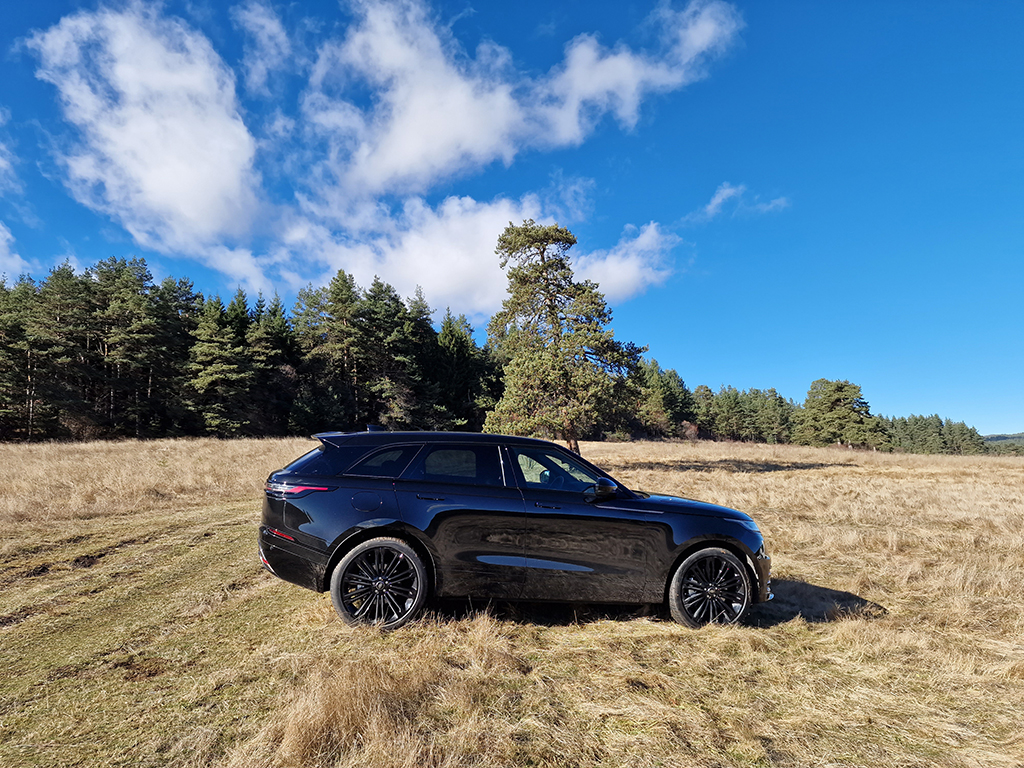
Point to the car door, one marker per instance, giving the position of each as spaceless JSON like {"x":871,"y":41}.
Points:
{"x":457,"y":494}
{"x":574,"y":549}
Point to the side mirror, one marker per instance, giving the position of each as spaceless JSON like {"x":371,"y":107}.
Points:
{"x":602,"y":490}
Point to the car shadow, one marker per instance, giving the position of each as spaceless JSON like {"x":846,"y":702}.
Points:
{"x":793,"y":599}
{"x":800,"y":599}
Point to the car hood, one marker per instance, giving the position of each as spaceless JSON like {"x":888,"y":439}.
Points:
{"x":660,"y":502}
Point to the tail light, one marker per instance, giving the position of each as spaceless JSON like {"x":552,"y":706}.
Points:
{"x":286,"y":489}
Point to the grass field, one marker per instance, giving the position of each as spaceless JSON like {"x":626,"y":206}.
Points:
{"x":137,"y":628}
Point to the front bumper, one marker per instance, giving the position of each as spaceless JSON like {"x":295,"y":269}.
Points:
{"x":763,"y":569}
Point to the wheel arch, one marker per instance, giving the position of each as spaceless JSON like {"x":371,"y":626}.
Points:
{"x":730,"y":545}
{"x":392,"y":530}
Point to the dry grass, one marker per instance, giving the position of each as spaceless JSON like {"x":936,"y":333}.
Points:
{"x":143,"y":632}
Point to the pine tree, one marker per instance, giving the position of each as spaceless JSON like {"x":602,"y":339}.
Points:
{"x":176,"y":307}
{"x":728,"y":414}
{"x":61,"y":340}
{"x":15,"y":358}
{"x":385,"y":358}
{"x":218,"y":377}
{"x":704,"y":407}
{"x":127,"y":327}
{"x":271,"y":350}
{"x":468,"y":377}
{"x":835,"y":412}
{"x":563,"y":365}
{"x":237,"y":317}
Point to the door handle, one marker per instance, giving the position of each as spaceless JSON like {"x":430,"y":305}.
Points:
{"x":429,"y":498}
{"x":545,"y":506}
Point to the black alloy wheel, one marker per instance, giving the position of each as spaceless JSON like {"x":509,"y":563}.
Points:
{"x":711,"y":586}
{"x":380,"y":582}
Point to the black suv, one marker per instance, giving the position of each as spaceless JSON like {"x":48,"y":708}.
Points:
{"x":385,"y":520}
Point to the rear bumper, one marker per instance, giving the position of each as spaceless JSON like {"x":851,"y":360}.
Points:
{"x":291,"y":561}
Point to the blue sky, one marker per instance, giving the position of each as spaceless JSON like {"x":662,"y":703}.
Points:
{"x":768,"y":193}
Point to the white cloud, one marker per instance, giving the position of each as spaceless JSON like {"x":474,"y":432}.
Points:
{"x":737,"y":194}
{"x":163,"y":148}
{"x":392,"y":107}
{"x":266,"y":47}
{"x":778,"y":204}
{"x":8,"y":178}
{"x":447,"y":250}
{"x":11,"y":264}
{"x":439,"y":112}
{"x":639,"y":260}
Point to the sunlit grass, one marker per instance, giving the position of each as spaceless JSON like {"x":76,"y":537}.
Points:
{"x":137,"y":629}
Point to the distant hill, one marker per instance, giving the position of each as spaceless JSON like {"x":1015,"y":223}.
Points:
{"x":1017,"y":439}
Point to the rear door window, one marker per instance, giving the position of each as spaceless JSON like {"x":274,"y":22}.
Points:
{"x":459,"y":464}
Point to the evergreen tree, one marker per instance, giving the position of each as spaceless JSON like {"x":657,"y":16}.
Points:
{"x":563,"y":365}
{"x":218,"y":377}
{"x":729,"y":415}
{"x":774,"y":417}
{"x":836,"y":413}
{"x":386,"y":359}
{"x":237,"y":317}
{"x":176,"y":306}
{"x":127,"y":326}
{"x":465,"y":373}
{"x":665,"y":402}
{"x":60,"y":335}
{"x":704,"y":407}
{"x":271,"y":350}
{"x":15,"y":358}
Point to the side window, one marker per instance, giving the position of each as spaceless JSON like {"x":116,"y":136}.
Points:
{"x":325,"y":461}
{"x":463,"y":464}
{"x":551,"y":470}
{"x":390,"y":462}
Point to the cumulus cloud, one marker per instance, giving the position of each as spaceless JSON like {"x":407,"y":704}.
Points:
{"x":447,"y":249}
{"x":162,"y":147}
{"x":266,"y":46}
{"x":11,"y":264}
{"x":735,"y":196}
{"x":393,"y":106}
{"x":638,"y":261}
{"x":407,"y":139}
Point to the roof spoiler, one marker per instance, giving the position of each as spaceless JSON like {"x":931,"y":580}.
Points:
{"x":337,"y":438}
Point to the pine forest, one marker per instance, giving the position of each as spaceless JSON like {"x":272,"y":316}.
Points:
{"x":107,"y":353}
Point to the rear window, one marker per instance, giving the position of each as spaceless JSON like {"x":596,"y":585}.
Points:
{"x":325,"y":461}
{"x":389,"y":462}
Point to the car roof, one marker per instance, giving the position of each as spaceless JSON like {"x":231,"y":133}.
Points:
{"x":372,"y":438}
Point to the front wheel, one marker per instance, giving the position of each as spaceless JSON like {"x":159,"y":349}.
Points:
{"x":711,"y":586}
{"x":381,"y":582}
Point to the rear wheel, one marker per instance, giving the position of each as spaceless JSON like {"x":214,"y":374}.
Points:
{"x":711,"y":586}
{"x":381,"y":582}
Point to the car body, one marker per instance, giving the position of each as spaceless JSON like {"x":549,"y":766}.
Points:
{"x":386,"y":520}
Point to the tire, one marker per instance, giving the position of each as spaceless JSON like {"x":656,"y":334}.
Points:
{"x":381,"y":582}
{"x":711,"y":586}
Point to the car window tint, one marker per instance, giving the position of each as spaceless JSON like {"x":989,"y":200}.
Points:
{"x":325,"y":461}
{"x":475,"y":465}
{"x":390,"y":462}
{"x":547,"y":469}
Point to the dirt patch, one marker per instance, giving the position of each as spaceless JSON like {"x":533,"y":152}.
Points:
{"x":87,"y":561}
{"x":142,"y":667}
{"x":10,"y":619}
